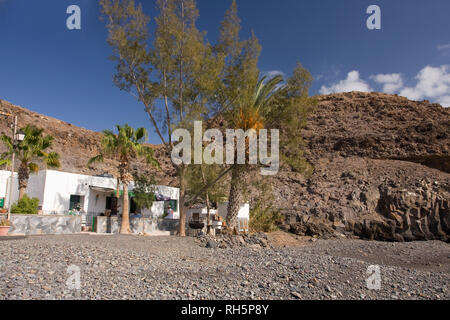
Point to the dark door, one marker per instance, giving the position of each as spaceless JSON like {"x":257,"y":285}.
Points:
{"x":111,"y":204}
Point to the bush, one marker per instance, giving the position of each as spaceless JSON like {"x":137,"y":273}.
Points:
{"x":144,"y":191}
{"x":26,"y":205}
{"x":264,"y":217}
{"x":264,"y":220}
{"x":4,"y":223}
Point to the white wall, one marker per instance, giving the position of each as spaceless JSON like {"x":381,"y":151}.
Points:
{"x":34,"y":189}
{"x":170,"y":192}
{"x":158,"y":206}
{"x":244,"y":211}
{"x":156,"y":211}
{"x":59,"y":186}
{"x":5,"y":177}
{"x":202,"y":212}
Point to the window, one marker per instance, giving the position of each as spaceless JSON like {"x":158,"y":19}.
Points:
{"x":173,"y":205}
{"x":76,"y":202}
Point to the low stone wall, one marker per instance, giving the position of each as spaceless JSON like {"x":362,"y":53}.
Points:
{"x":35,"y":224}
{"x":146,"y":226}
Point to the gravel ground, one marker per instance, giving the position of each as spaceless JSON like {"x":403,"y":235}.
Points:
{"x":131,"y":267}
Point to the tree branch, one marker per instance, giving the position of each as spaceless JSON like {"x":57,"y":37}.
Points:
{"x":207,"y":187}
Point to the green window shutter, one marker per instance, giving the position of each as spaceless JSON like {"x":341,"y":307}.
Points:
{"x":173,"y":205}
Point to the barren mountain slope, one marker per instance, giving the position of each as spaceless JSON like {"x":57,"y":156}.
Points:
{"x":382,"y":166}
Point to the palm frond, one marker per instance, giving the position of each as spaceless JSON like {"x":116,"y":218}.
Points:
{"x":97,"y":158}
{"x":5,"y":162}
{"x":7,"y":141}
{"x":265,"y":91}
{"x":34,"y":168}
{"x":141,"y":135}
{"x":149,"y":157}
{"x":126,"y":145}
{"x":52,"y":160}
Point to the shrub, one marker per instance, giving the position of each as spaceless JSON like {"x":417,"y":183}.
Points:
{"x":26,"y":205}
{"x":264,"y":217}
{"x":4,"y":223}
{"x":144,"y":191}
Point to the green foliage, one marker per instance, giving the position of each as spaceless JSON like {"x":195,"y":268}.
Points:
{"x":240,"y":74}
{"x":32,"y":148}
{"x":144,"y":191}
{"x":264,"y":220}
{"x":124,"y":146}
{"x":290,"y":116}
{"x":180,"y":68}
{"x":180,"y":77}
{"x":198,"y":181}
{"x":264,"y":217}
{"x":26,"y":205}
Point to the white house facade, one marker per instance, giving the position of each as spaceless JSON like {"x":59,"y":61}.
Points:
{"x":59,"y":193}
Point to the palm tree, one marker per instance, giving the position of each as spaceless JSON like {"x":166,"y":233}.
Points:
{"x":125,"y":146}
{"x":32,"y":148}
{"x":250,"y":115}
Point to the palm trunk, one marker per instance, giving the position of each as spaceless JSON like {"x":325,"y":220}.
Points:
{"x":235,"y":198}
{"x":208,"y":217}
{"x":182,"y":229}
{"x":22,"y":192}
{"x":23,"y":176}
{"x":116,"y":210}
{"x":125,"y":227}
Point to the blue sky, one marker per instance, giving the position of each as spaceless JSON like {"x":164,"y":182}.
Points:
{"x":67,"y":75}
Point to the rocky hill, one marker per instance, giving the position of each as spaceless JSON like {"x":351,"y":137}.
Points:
{"x":382,"y":170}
{"x":381,"y":167}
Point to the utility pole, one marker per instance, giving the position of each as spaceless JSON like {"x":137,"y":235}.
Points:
{"x":13,"y":156}
{"x":11,"y":189}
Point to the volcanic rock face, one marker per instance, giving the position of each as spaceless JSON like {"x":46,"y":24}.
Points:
{"x":381,"y":170}
{"x":380,"y":126}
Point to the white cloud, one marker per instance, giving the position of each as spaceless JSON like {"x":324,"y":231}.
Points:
{"x":443,"y":46}
{"x":444,"y":101}
{"x":444,"y":49}
{"x":352,"y":83}
{"x":391,"y":82}
{"x":432,"y":83}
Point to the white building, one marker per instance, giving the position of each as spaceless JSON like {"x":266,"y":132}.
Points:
{"x":200,"y":214}
{"x":60,"y":192}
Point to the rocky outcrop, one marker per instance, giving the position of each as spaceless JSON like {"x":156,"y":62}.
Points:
{"x":381,"y":171}
{"x":422,"y":214}
{"x":224,"y":241}
{"x":380,"y":126}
